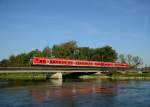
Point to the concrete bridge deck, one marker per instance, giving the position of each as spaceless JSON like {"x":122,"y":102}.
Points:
{"x":47,"y":69}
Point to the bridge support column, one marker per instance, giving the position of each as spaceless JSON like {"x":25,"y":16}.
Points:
{"x":57,"y":75}
{"x":98,"y":72}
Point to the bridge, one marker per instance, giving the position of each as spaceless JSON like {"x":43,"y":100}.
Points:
{"x":57,"y":66}
{"x":53,"y":72}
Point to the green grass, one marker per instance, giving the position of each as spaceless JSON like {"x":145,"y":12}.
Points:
{"x":42,"y":76}
{"x":125,"y":74}
{"x":23,"y":76}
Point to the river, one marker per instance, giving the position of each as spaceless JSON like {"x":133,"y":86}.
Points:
{"x":75,"y":93}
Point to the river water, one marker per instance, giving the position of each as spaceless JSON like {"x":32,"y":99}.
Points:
{"x":75,"y":93}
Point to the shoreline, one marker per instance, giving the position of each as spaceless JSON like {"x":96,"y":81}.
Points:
{"x":115,"y":78}
{"x":22,"y":76}
{"x":119,"y":76}
{"x":44,"y":76}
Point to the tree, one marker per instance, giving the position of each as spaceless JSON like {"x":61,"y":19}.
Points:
{"x":129,"y":58}
{"x":137,"y":61}
{"x":106,"y":54}
{"x":4,"y":63}
{"x":122,"y":58}
{"x":84,"y":53}
{"x":46,"y":52}
{"x":133,"y":61}
{"x":70,"y":50}
{"x":110,"y":55}
{"x":65,"y":50}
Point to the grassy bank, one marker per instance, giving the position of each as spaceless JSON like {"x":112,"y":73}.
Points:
{"x":44,"y":76}
{"x":118,"y":75}
{"x":23,"y":76}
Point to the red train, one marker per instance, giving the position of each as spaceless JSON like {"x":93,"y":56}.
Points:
{"x":75,"y":63}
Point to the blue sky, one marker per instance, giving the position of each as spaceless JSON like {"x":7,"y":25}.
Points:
{"x":29,"y":24}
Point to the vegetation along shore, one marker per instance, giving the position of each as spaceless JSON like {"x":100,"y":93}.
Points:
{"x":70,"y":50}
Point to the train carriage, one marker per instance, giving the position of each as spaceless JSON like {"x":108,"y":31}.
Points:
{"x":78,"y":63}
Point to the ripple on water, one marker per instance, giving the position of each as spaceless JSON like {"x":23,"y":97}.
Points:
{"x":97,"y":93}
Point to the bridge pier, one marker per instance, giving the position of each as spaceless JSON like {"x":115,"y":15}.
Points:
{"x":56,"y":82}
{"x":57,"y":75}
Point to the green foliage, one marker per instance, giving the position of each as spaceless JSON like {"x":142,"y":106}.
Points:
{"x":23,"y":76}
{"x":4,"y":63}
{"x":20,"y":60}
{"x":46,"y":52}
{"x":67,"y":50}
{"x":84,"y":53}
{"x":106,"y":54}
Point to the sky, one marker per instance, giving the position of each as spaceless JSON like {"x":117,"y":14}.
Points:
{"x":29,"y":24}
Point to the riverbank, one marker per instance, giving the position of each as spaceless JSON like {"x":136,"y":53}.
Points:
{"x":23,"y":76}
{"x":118,"y":75}
{"x":108,"y":75}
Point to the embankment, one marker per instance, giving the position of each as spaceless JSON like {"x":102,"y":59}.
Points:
{"x":23,"y":76}
{"x":118,"y":76}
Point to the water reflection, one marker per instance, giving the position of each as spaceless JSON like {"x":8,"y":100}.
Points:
{"x":73,"y":93}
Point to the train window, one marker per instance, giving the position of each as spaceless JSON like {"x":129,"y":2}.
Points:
{"x":40,"y":61}
{"x":102,"y":64}
{"x":64,"y":62}
{"x":90,"y":63}
{"x":70,"y":62}
{"x":44,"y":61}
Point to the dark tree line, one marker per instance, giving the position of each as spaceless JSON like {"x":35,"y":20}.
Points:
{"x":67,"y":50}
{"x":70,"y":50}
{"x":20,"y":60}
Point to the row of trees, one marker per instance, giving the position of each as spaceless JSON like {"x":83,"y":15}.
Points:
{"x":70,"y":50}
{"x":133,"y":61}
{"x":18,"y":61}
